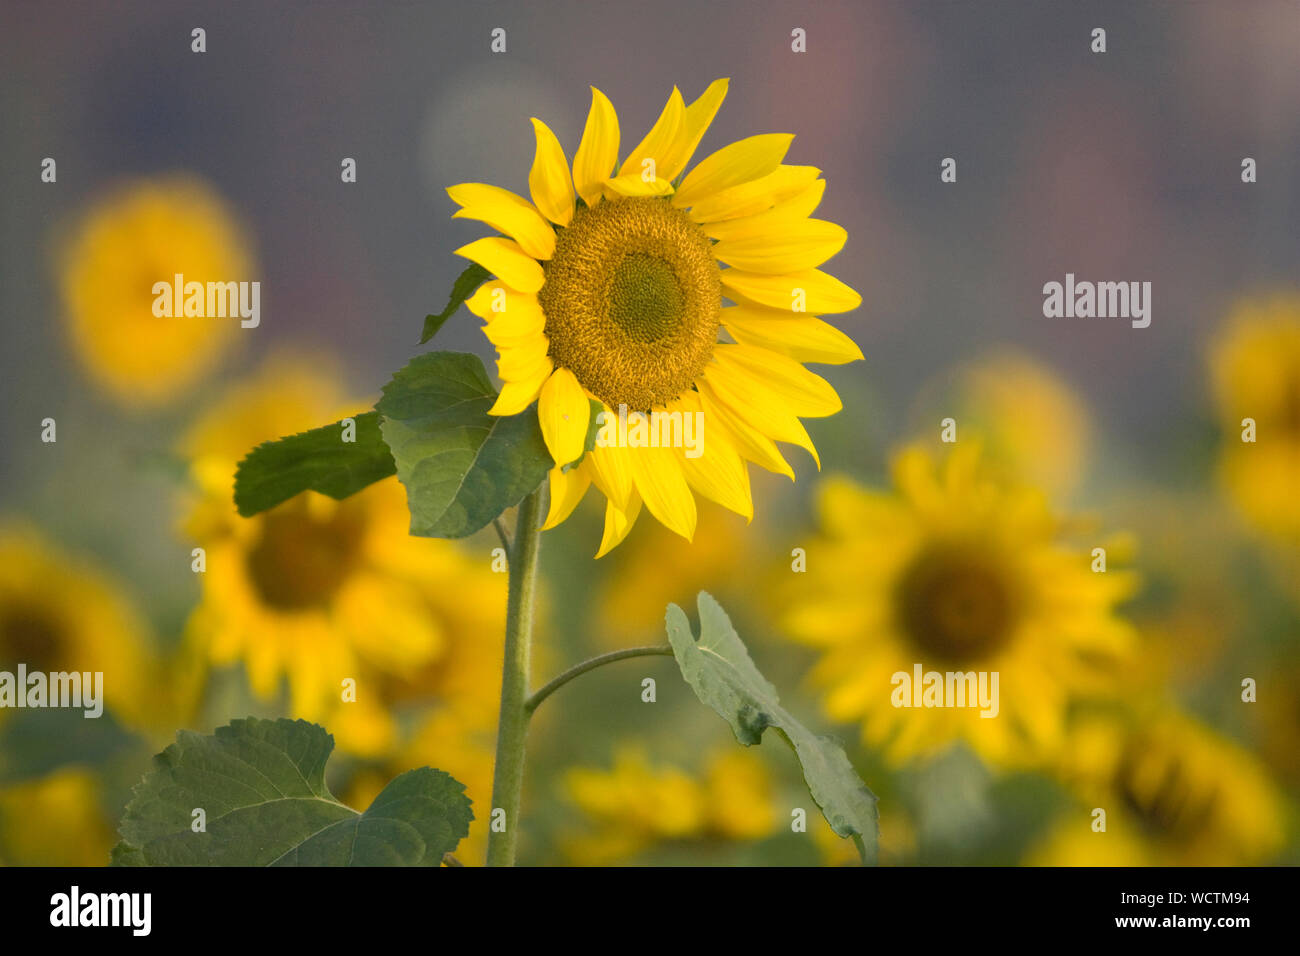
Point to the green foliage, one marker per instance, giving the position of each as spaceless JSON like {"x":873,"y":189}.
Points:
{"x":461,"y":466}
{"x":316,"y":460}
{"x":720,"y":671}
{"x":462,"y":289}
{"x":261,"y":785}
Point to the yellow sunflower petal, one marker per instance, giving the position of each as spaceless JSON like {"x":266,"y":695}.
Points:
{"x":799,"y":206}
{"x":516,"y":327}
{"x":804,"y":338}
{"x":567,"y":489}
{"x":494,"y":299}
{"x":516,"y":396}
{"x":764,"y":410}
{"x":618,"y":522}
{"x":750,"y":442}
{"x":508,"y":213}
{"x":743,"y":161}
{"x":611,"y":471}
{"x":658,"y":143}
{"x":634,"y":185}
{"x":784,"y":247}
{"x":658,"y":475}
{"x":803,"y":392}
{"x":718,"y":472}
{"x":598,"y":152}
{"x":817,"y":291}
{"x":699,"y":116}
{"x":564,"y":412}
{"x":507,"y":261}
{"x":549,"y":179}
{"x":756,"y":197}
{"x":520,"y":362}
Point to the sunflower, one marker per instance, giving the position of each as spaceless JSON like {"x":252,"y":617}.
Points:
{"x":1175,"y":792}
{"x":146,"y":232}
{"x":636,"y":804}
{"x":960,"y":574}
{"x":1255,"y":365}
{"x":317,"y":591}
{"x":61,"y":613}
{"x":609,"y":287}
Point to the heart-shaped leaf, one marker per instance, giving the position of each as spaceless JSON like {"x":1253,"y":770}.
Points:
{"x":260,"y":787}
{"x":461,"y":466}
{"x":723,"y":676}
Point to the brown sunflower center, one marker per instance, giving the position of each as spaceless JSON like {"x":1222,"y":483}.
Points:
{"x":300,"y":559}
{"x":632,"y":299}
{"x":31,"y":635}
{"x":956,"y":603}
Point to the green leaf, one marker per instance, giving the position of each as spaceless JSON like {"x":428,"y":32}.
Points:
{"x":318,"y":460}
{"x":720,"y":671}
{"x":462,"y":289}
{"x":261,"y":785}
{"x":461,"y":466}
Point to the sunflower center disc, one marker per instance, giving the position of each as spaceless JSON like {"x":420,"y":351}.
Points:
{"x":956,"y":604}
{"x":302,"y":560}
{"x":632,"y":299}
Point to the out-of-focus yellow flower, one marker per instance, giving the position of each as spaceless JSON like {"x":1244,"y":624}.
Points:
{"x":58,"y":820}
{"x":667,"y":570}
{"x":958,"y":573}
{"x":59,"y":613}
{"x":1175,"y":793}
{"x":318,"y":591}
{"x":143,"y":233}
{"x":1278,"y":708}
{"x":1255,"y":364}
{"x":1031,"y":422}
{"x":636,"y":804}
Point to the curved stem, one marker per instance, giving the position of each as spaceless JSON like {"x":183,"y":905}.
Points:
{"x":512,"y":725}
{"x":651,"y":650}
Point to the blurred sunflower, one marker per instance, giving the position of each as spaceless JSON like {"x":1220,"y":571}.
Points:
{"x":57,"y":820}
{"x":59,"y":613}
{"x":317,"y":591}
{"x":636,"y":804}
{"x":1255,"y":366}
{"x":957,"y":572}
{"x":610,"y":288}
{"x":1175,"y":794}
{"x":146,"y":232}
{"x":1029,"y":420}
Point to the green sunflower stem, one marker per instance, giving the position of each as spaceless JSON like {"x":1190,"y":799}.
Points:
{"x":512,"y":726}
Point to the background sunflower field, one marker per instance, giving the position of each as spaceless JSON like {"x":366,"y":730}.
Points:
{"x":1122,"y":689}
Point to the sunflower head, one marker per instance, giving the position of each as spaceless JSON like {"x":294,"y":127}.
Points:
{"x":612,"y":287}
{"x":956,"y":571}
